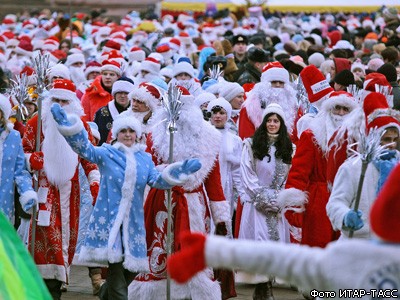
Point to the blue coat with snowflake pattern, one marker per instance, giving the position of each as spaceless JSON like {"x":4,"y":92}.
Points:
{"x":116,"y":231}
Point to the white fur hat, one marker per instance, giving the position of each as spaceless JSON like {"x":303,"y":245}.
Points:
{"x":59,"y":70}
{"x":276,"y":109}
{"x":75,"y":58}
{"x":275,"y":74}
{"x":167,"y":72}
{"x":122,"y":122}
{"x":222,"y":103}
{"x":230,"y":90}
{"x":122,"y":86}
{"x":5,"y":106}
{"x":204,"y":97}
{"x":136,"y":54}
{"x":183,"y":67}
{"x":150,"y":65}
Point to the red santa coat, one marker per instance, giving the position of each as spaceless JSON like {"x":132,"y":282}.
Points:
{"x":192,"y":207}
{"x":94,"y":98}
{"x":307,"y":180}
{"x":55,"y":244}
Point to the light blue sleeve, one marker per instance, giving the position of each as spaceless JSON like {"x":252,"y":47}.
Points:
{"x":22,"y":177}
{"x":155,"y":179}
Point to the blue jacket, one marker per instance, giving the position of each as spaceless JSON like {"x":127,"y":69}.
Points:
{"x":116,"y":229}
{"x":13,"y":169}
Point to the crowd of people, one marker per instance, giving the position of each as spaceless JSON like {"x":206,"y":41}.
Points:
{"x":274,"y":105}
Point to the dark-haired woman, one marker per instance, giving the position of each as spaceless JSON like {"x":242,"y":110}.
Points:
{"x":265,"y":163}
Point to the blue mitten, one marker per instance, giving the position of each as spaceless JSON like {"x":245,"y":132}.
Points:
{"x":352,"y":220}
{"x":59,"y":115}
{"x":177,"y":173}
{"x":29,"y":205}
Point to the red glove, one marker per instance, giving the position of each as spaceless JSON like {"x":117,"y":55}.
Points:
{"x":94,"y":190}
{"x":36,"y":161}
{"x":186,"y":263}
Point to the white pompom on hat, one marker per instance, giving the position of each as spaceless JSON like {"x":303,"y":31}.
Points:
{"x":5,"y":106}
{"x":123,"y":122}
{"x":183,"y":67}
{"x":230,"y":90}
{"x":222,"y":103}
{"x":275,"y":109}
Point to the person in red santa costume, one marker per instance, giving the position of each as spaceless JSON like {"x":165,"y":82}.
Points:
{"x":194,"y":204}
{"x":352,"y":265}
{"x":273,"y":88}
{"x":57,"y":164}
{"x":306,"y":193}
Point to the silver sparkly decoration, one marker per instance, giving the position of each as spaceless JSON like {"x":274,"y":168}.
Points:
{"x":215,"y":72}
{"x":172,"y":105}
{"x":302,"y":97}
{"x":19,"y":92}
{"x":41,"y":65}
{"x":356,"y":92}
{"x":386,"y":91}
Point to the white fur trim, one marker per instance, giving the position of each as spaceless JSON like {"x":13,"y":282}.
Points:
{"x":166,"y":174}
{"x":94,"y":176}
{"x":28,"y":195}
{"x":111,"y":68}
{"x":220,"y":102}
{"x":63,"y":94}
{"x":143,"y":95}
{"x":122,"y":86}
{"x":275,"y":74}
{"x":200,"y":287}
{"x":28,"y":163}
{"x":123,"y":122}
{"x":135,"y":264}
{"x":5,"y":106}
{"x":183,"y":67}
{"x":53,"y":271}
{"x":220,"y":211}
{"x":293,"y":198}
{"x":94,"y":256}
{"x":73,"y":129}
{"x":342,"y":100}
{"x":113,"y":109}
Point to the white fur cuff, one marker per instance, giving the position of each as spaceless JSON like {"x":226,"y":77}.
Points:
{"x":220,"y":211}
{"x":94,"y":176}
{"x":166,"y":174}
{"x":73,"y":129}
{"x":28,"y":195}
{"x":28,"y":164}
{"x":292,"y":198}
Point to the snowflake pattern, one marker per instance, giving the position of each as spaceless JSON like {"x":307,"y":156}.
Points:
{"x":91,"y":233}
{"x":102,"y":220}
{"x":103,"y":235}
{"x":79,"y":144}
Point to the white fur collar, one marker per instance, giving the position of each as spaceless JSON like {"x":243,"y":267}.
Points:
{"x":133,"y":149}
{"x":323,"y":128}
{"x":113,"y":109}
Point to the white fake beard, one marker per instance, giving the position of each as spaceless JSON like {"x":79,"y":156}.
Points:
{"x":60,"y":161}
{"x":77,"y":75}
{"x":337,"y":120}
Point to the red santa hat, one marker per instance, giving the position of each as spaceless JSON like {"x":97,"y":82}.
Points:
{"x":60,"y":71}
{"x":125,"y":121}
{"x":151,"y":65}
{"x":111,"y":45}
{"x":111,"y":65}
{"x":24,"y":48}
{"x":274,"y":71}
{"x":385,"y":211}
{"x":186,"y":97}
{"x":50,"y":45}
{"x":93,"y":66}
{"x":165,"y":51}
{"x":375,"y":79}
{"x":316,"y":85}
{"x":56,"y":55}
{"x":2,"y":43}
{"x":174,"y":44}
{"x":31,"y":75}
{"x":5,"y":106}
{"x":115,"y":55}
{"x":185,"y":38}
{"x":378,"y":114}
{"x":146,"y":93}
{"x":136,"y":54}
{"x":63,"y":89}
{"x":341,"y":98}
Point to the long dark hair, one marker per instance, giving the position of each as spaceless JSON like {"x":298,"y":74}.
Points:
{"x":261,"y":142}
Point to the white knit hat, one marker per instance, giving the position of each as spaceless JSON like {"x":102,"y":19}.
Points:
{"x":59,"y":70}
{"x":183,"y":67}
{"x":222,"y":103}
{"x":147,"y":93}
{"x":75,"y":58}
{"x":275,"y":74}
{"x":122,"y":86}
{"x":204,"y":97}
{"x":150,"y":65}
{"x":5,"y":106}
{"x":276,"y":109}
{"x":123,"y":122}
{"x":230,"y":90}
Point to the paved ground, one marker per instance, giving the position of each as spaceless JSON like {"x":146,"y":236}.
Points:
{"x":80,"y":288}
